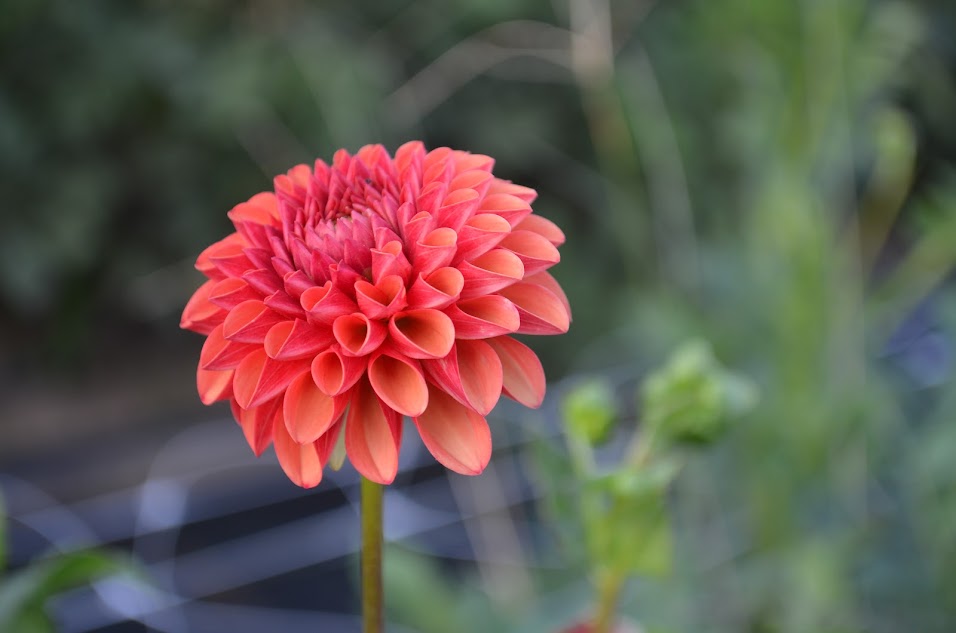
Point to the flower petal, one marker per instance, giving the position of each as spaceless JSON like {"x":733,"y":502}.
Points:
{"x":541,"y":311}
{"x":232,"y":291}
{"x":383,"y":299}
{"x":511,"y":208}
{"x":535,"y":251}
{"x":437,"y":289}
{"x":457,"y":208}
{"x":399,"y":383}
{"x":308,"y":413}
{"x":479,"y":235}
{"x":484,"y":317}
{"x":249,"y":322}
{"x":258,"y":423}
{"x":422,"y":333}
{"x":259,"y":378}
{"x":326,"y":303}
{"x":471,"y":374}
{"x":434,"y":251}
{"x":372,"y":435}
{"x":547,"y":280}
{"x":300,"y":462}
{"x":200,"y":315}
{"x":357,"y":334}
{"x":523,"y":375}
{"x":455,"y":435}
{"x":543,"y":227}
{"x":477,"y":179}
{"x":288,"y":340}
{"x":521,"y":192}
{"x":490,"y":272}
{"x":335,"y":373}
{"x":219,"y":353}
{"x":213,"y":386}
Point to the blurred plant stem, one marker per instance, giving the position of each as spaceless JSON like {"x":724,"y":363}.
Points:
{"x":372,"y":613}
{"x":609,"y":589}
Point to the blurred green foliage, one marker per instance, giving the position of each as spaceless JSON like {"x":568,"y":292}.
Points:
{"x":774,"y":177}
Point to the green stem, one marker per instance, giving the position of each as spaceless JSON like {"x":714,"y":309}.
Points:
{"x":373,"y":620}
{"x":609,"y":591}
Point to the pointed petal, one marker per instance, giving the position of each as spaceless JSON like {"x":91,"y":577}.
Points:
{"x":383,"y":299}
{"x":390,"y":260}
{"x":437,"y":289}
{"x":326,"y":303}
{"x":219,"y":354}
{"x":335,"y":373}
{"x":399,"y":383}
{"x":357,"y":334}
{"x":434,"y":251}
{"x":258,"y":423}
{"x":422,"y":333}
{"x":524,"y":379}
{"x":511,"y":208}
{"x":232,"y":291}
{"x":372,"y":435}
{"x":541,"y":311}
{"x":289,"y":340}
{"x":490,"y":272}
{"x":471,"y":374}
{"x":249,"y":322}
{"x":484,"y":317}
{"x":477,"y":179}
{"x":259,"y":378}
{"x":204,"y":262}
{"x":457,"y":208}
{"x":535,"y":251}
{"x":213,"y":386}
{"x":455,"y":435}
{"x":300,"y":462}
{"x":547,"y":280}
{"x":200,"y":315}
{"x":526,"y":194}
{"x":308,"y":413}
{"x":479,"y":235}
{"x":543,"y":227}
{"x":327,"y":444}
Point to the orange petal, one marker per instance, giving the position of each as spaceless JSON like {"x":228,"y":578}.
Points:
{"x":218,"y":353}
{"x":383,"y":299}
{"x":511,"y":208}
{"x":335,"y":373}
{"x":522,"y":372}
{"x":399,"y":383}
{"x":490,"y":272}
{"x":307,"y":412}
{"x":390,"y":260}
{"x":466,"y":161}
{"x":249,"y":322}
{"x":471,"y":374}
{"x":437,"y":289}
{"x":422,"y":333}
{"x":541,"y":311}
{"x":477,"y":179}
{"x":357,"y":334}
{"x":535,"y":251}
{"x":547,"y":280}
{"x":230,"y":292}
{"x":259,"y":378}
{"x":326,"y":303}
{"x":204,"y":263}
{"x":300,"y":462}
{"x":434,"y":251}
{"x":258,"y":423}
{"x":543,"y":227}
{"x":200,"y":315}
{"x":296,"y":339}
{"x":372,"y":435}
{"x":484,"y":317}
{"x":479,"y":235}
{"x":213,"y":386}
{"x":457,"y":208}
{"x":455,"y":435}
{"x":503,"y":186}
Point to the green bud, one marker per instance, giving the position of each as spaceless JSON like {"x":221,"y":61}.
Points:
{"x":590,"y":410}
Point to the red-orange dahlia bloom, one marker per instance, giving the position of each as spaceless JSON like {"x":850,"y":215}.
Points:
{"x":371,"y":289}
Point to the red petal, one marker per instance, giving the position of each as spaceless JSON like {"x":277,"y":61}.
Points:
{"x":296,"y":339}
{"x":541,"y":311}
{"x":535,"y":251}
{"x":372,"y":435}
{"x":200,"y":315}
{"x":326,"y":444}
{"x":231,"y":260}
{"x":480,"y":234}
{"x":258,"y":423}
{"x":249,"y":322}
{"x":390,"y":260}
{"x":204,"y":263}
{"x":434,"y":251}
{"x":455,"y":435}
{"x":308,"y":413}
{"x":457,"y":208}
{"x":511,"y":208}
{"x":546,"y":280}
{"x":422,"y":333}
{"x":471,"y":374}
{"x":430,"y":197}
{"x":543,"y":227}
{"x":213,"y":386}
{"x":259,"y":378}
{"x":357,"y":334}
{"x":381,"y":300}
{"x":491,"y":272}
{"x":250,"y":212}
{"x":523,"y":375}
{"x":300,"y":462}
{"x":219,"y":354}
{"x":399,"y":383}
{"x":437,"y":289}
{"x":483,"y":317}
{"x":336,"y":373}
{"x":326,"y":303}
{"x":230,"y":292}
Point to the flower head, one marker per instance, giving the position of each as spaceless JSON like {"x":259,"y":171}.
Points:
{"x":371,"y":289}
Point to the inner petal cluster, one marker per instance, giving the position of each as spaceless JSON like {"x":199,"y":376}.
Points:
{"x":371,"y":289}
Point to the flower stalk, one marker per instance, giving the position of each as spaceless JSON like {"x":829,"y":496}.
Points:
{"x":373,"y":620}
{"x":609,"y":590}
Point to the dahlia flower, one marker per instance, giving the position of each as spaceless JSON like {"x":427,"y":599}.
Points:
{"x":371,"y":289}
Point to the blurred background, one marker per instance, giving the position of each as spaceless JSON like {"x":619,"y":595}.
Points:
{"x":777,"y":178}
